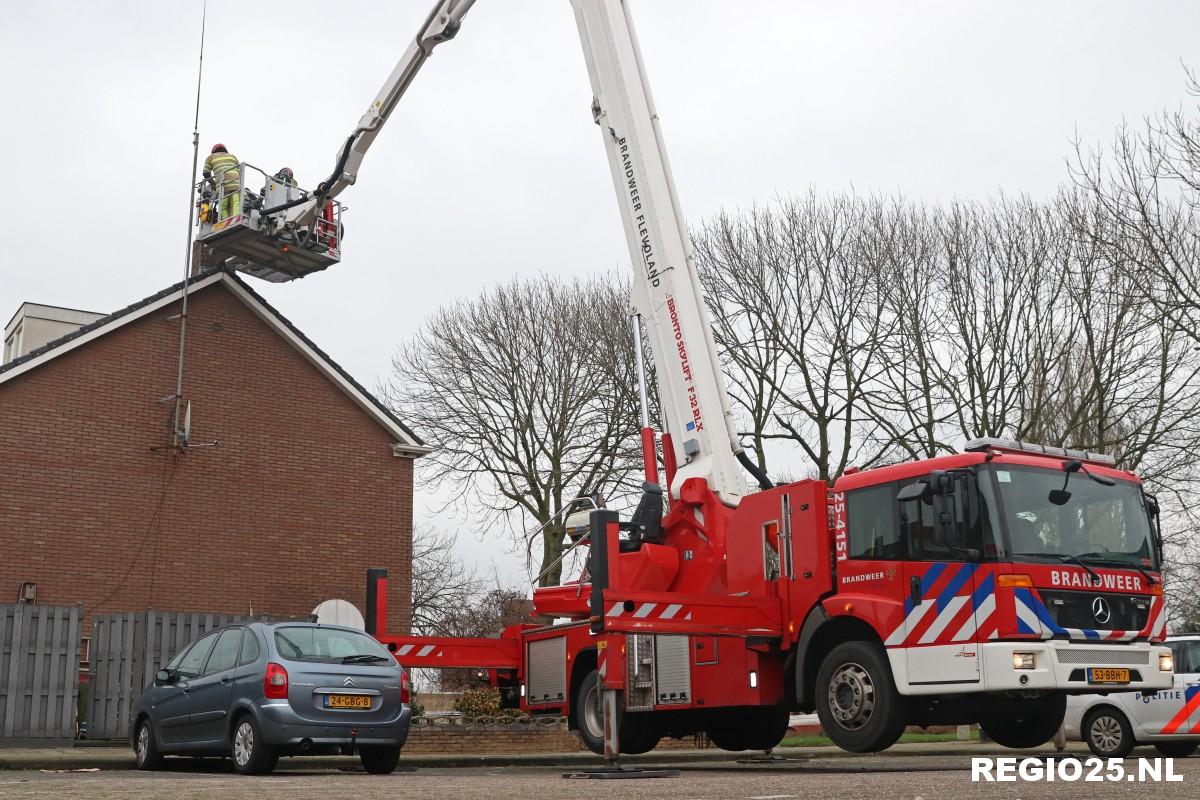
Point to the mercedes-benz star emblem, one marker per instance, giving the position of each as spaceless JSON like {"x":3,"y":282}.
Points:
{"x":1101,"y":611}
{"x":350,"y":681}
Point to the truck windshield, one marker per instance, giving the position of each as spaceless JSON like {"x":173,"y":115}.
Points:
{"x":1097,"y":525}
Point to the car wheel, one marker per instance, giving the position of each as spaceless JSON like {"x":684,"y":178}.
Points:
{"x":1026,"y":723}
{"x":251,"y":755}
{"x":1108,"y":734}
{"x":1176,"y":749}
{"x":145,"y":747}
{"x":857,"y":701}
{"x":379,"y":760}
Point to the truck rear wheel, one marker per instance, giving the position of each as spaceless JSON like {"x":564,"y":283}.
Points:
{"x":857,"y":701}
{"x":739,"y":729}
{"x":639,"y":733}
{"x":1026,"y":723}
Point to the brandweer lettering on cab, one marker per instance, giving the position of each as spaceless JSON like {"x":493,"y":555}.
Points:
{"x":1127,"y":583}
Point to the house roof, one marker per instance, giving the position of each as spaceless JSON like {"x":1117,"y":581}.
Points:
{"x":407,"y":442}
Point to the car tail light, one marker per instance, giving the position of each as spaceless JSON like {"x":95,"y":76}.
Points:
{"x":275,"y":684}
{"x":405,"y":692}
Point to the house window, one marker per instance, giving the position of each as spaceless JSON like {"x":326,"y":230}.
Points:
{"x":12,"y":347}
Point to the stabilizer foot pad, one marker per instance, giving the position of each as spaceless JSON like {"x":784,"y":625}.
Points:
{"x":620,"y":773}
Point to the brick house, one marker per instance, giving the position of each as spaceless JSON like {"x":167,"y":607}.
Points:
{"x":295,"y":479}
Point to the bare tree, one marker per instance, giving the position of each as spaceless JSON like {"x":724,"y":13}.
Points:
{"x":801,"y":318}
{"x":442,"y":586}
{"x":1148,"y":185}
{"x":528,"y":395}
{"x":487,"y":613}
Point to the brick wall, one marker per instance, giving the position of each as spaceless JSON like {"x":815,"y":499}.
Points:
{"x":302,"y":494}
{"x":511,"y":739}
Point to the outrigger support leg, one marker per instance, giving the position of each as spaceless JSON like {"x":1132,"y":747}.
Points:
{"x":612,"y":733}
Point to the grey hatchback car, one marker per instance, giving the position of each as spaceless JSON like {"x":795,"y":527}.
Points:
{"x":257,"y":691}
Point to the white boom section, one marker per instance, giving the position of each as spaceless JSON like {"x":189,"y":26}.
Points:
{"x":666,"y":286}
{"x":441,"y":25}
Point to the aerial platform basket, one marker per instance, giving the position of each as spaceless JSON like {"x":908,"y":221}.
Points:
{"x":246,"y":229}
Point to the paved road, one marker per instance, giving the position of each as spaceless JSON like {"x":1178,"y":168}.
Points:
{"x":926,"y":778}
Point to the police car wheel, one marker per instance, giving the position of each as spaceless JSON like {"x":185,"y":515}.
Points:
{"x":1108,"y":734}
{"x":857,"y":701}
{"x":1176,"y":749}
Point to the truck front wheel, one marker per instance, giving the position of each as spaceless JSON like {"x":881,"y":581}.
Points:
{"x":857,"y":701}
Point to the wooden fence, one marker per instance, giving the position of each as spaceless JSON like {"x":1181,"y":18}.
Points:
{"x":39,"y":671}
{"x":127,"y":649}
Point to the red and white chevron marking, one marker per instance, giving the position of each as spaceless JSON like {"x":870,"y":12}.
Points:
{"x":650,"y":611}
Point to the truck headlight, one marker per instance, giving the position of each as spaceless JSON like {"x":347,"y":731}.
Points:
{"x":1023,"y":661}
{"x":1166,"y":663}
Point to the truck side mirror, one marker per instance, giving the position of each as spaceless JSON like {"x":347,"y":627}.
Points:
{"x":945,"y":525}
{"x":915,"y":491}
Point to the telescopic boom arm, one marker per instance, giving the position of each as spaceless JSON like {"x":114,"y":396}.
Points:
{"x":440,"y":26}
{"x":666,"y":287}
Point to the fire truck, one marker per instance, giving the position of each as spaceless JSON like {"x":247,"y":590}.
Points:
{"x":983,"y":586}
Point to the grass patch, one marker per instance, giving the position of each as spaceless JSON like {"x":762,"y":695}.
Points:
{"x":821,"y":740}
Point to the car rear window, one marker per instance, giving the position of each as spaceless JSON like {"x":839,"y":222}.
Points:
{"x":329,"y":646}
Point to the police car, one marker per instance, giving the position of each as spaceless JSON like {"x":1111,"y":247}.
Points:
{"x":1114,"y":723}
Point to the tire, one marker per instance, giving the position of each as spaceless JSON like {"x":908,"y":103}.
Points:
{"x":1108,"y":733}
{"x":588,"y":716}
{"x":1026,"y":724}
{"x":769,"y":726}
{"x":250,"y":754}
{"x":145,"y":748}
{"x":638,"y":732}
{"x":738,"y":729}
{"x":857,"y":701}
{"x":729,"y":729}
{"x":1176,"y":749}
{"x":379,"y":760}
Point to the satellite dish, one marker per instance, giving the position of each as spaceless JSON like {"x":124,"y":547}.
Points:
{"x":339,"y":612}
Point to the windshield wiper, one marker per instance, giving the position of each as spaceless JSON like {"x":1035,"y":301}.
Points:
{"x":1068,"y":560}
{"x":1103,"y":558}
{"x":363,"y":658}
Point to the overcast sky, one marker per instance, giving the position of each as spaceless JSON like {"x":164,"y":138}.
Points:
{"x":491,"y":166}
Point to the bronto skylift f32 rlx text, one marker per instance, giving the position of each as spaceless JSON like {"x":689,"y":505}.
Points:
{"x":979,"y":587}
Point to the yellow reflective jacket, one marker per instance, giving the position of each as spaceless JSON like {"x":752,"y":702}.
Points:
{"x":223,"y":165}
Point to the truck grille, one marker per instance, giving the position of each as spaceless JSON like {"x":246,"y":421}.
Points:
{"x":1078,"y":610}
{"x":1093,"y":656}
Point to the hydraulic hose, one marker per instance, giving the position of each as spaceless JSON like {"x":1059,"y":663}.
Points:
{"x":763,"y":481}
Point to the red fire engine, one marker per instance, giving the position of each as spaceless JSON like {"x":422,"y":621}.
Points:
{"x":946,"y":591}
{"x":980,"y":587}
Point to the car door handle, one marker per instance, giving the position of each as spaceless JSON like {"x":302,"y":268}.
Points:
{"x":227,"y":680}
{"x":914,"y":585}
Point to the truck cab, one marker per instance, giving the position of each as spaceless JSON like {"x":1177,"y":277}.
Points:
{"x":1003,"y":578}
